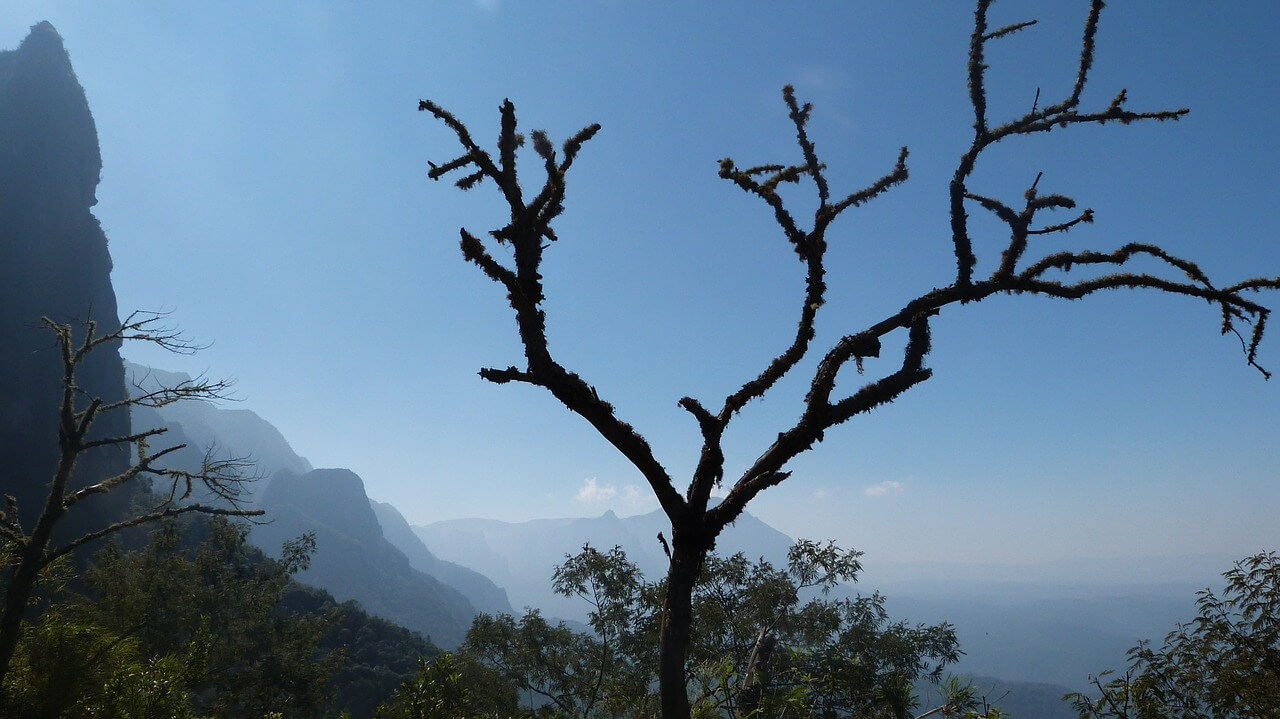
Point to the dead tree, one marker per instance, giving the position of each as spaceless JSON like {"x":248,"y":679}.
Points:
{"x":27,"y":552}
{"x":695,"y":523}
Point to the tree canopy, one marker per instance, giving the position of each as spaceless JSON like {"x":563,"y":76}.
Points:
{"x":770,"y":641}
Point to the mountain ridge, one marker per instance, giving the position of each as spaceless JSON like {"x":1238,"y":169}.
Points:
{"x":481,"y":591}
{"x":353,"y":560}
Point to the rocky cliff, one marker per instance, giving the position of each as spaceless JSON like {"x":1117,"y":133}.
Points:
{"x":53,"y":263}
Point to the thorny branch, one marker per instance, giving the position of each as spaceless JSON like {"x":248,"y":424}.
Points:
{"x":530,"y":224}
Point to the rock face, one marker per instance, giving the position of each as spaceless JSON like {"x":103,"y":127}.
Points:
{"x":352,"y":559}
{"x":53,"y":263}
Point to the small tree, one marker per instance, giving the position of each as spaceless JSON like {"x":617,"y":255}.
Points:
{"x":1222,"y":665}
{"x":695,"y":521}
{"x":27,"y":551}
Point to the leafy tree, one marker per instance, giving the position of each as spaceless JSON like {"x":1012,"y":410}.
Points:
{"x":1222,"y":665}
{"x":447,"y":688}
{"x":377,"y":656}
{"x":770,"y":642}
{"x":70,"y":664}
{"x":195,"y":621}
{"x":170,"y":593}
{"x":695,"y":520}
{"x":156,"y":690}
{"x":28,"y":552}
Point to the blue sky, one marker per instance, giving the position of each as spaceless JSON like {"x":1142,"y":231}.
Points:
{"x":265,"y":179}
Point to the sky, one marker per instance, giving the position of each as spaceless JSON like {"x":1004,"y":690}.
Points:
{"x":265,"y":181}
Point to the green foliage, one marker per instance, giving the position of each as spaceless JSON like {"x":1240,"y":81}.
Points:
{"x":69,"y":664}
{"x":845,"y":653}
{"x":962,"y":700}
{"x":439,"y":691}
{"x":377,"y":655}
{"x":1224,"y":664}
{"x":156,"y":690}
{"x":167,"y":593}
{"x":61,"y":658}
{"x":192,"y":622}
{"x":186,"y":626}
{"x":767,"y":642}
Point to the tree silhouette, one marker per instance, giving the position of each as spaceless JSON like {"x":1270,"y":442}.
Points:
{"x":695,"y":523}
{"x":26,"y":552}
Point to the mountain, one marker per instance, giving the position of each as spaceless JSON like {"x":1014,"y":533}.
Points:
{"x":55,"y":264}
{"x":374,"y":559}
{"x":483,"y":594}
{"x":522,"y":555}
{"x":202,"y":426}
{"x":352,"y":559}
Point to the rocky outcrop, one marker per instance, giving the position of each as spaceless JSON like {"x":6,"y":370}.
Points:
{"x":53,"y":263}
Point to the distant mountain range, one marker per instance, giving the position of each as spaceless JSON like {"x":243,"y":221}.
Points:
{"x":521,"y":556}
{"x":353,"y":560}
{"x":1055,"y":623}
{"x":483,"y":594}
{"x":229,"y":431}
{"x":1055,"y":633}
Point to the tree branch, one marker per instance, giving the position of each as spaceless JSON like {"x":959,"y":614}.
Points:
{"x":528,"y":225}
{"x":172,"y":511}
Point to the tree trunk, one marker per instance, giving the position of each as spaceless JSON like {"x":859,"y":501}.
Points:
{"x":21,"y":584}
{"x":23,"y":580}
{"x":677,"y":615}
{"x":757,"y":679}
{"x":11,"y":621}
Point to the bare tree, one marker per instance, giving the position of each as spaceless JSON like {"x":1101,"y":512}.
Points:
{"x":695,"y":523}
{"x":27,"y":552}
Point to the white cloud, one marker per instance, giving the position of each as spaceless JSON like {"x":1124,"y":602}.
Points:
{"x":821,"y":493}
{"x":637,"y":499}
{"x":889,"y":486}
{"x":819,"y":77}
{"x":593,"y":493}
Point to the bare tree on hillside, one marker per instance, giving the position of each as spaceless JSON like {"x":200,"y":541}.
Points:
{"x":26,"y":552}
{"x":695,"y":524}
